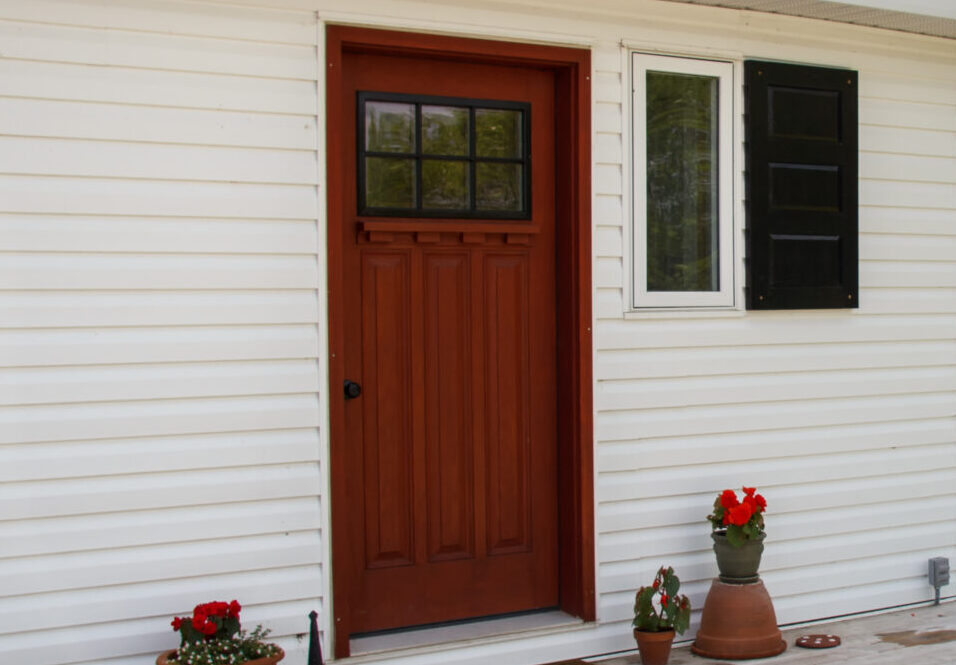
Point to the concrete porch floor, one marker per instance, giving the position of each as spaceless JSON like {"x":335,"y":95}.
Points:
{"x":924,"y":635}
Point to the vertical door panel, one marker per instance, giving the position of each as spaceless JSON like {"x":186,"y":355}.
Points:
{"x":449,"y":445}
{"x":507,"y":404}
{"x":388,"y":433}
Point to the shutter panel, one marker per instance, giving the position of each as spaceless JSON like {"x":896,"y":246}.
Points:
{"x":801,"y":133}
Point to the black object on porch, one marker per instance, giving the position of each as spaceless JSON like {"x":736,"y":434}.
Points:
{"x":315,"y":646}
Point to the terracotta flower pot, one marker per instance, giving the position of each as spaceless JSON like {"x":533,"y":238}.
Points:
{"x":738,"y":565}
{"x":738,"y":623}
{"x":654,"y":647}
{"x":164,"y":659}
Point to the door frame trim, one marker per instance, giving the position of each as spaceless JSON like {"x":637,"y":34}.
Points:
{"x":575,"y":424}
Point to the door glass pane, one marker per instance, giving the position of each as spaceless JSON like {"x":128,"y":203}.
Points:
{"x":444,"y":130}
{"x":389,"y":182}
{"x":682,"y":182}
{"x":444,"y":184}
{"x":498,"y":186}
{"x":498,"y":133}
{"x":389,"y":127}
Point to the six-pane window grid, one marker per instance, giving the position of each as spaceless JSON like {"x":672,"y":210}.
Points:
{"x":422,"y":156}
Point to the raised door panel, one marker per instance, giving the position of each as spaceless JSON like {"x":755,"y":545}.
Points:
{"x":449,"y":434}
{"x":388,"y":437}
{"x":507,"y":403}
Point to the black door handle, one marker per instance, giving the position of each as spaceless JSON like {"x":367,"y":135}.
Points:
{"x":352,"y":389}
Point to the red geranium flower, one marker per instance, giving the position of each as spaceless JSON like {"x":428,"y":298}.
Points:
{"x":728,"y":499}
{"x":762,"y":502}
{"x":749,"y":491}
{"x":176,"y":623}
{"x":199,"y":620}
{"x":234,"y":608}
{"x":740,"y":514}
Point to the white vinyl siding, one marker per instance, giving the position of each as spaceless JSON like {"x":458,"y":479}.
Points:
{"x":159,"y":350}
{"x":162,"y":348}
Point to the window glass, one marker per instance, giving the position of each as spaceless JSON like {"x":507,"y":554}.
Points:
{"x":498,"y":186}
{"x":445,"y":130}
{"x":391,"y":182}
{"x":443,"y":157}
{"x":498,"y":133}
{"x":683,"y":182}
{"x":389,"y":127}
{"x":444,"y":184}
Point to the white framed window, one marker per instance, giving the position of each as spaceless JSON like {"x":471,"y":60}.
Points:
{"x":683,"y":200}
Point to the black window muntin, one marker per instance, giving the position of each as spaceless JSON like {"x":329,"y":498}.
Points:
{"x":472,"y":159}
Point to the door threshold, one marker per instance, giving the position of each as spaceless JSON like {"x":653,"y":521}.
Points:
{"x":485,"y":628}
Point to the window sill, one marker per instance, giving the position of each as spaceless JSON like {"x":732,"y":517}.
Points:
{"x":685,"y":313}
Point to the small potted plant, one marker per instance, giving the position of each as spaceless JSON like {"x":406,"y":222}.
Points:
{"x":213,"y":636}
{"x":737,"y":528}
{"x":659,"y":614}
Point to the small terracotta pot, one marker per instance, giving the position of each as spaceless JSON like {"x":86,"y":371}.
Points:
{"x":738,"y":565}
{"x":164,"y":659}
{"x":654,"y":647}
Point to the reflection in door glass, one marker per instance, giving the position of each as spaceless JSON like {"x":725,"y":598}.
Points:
{"x":682,"y":182}
{"x":443,"y":157}
{"x":498,"y":133}
{"x":389,"y":127}
{"x":444,"y":184}
{"x":444,"y":130}
{"x":498,"y":186}
{"x":390,"y":182}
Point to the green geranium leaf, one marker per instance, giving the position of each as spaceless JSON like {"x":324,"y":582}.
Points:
{"x":735,"y":535}
{"x":671,"y":585}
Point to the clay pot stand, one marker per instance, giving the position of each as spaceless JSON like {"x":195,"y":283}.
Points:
{"x":738,"y":623}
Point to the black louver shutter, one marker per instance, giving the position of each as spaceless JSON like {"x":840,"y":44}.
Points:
{"x":801,"y":133}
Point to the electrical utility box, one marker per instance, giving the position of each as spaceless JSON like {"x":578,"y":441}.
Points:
{"x":939,"y":571}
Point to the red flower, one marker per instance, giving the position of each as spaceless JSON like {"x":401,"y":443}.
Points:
{"x":749,"y":491}
{"x":728,"y":499}
{"x":740,"y":514}
{"x":657,"y":583}
{"x":199,"y":619}
{"x":209,"y":628}
{"x":663,"y":600}
{"x":762,"y":502}
{"x":176,"y":623}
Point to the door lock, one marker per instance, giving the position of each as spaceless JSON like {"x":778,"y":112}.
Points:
{"x":352,"y":389}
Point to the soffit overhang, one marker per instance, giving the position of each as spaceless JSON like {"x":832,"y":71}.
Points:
{"x":936,"y":18}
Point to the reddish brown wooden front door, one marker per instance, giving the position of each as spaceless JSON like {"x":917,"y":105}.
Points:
{"x":447,"y":462}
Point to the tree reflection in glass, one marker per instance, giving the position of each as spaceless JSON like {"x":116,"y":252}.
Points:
{"x":443,"y":157}
{"x":682,"y":182}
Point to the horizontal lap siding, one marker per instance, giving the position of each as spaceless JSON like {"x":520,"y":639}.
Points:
{"x":846,"y":421}
{"x":159,"y":368}
{"x":158,"y":330}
